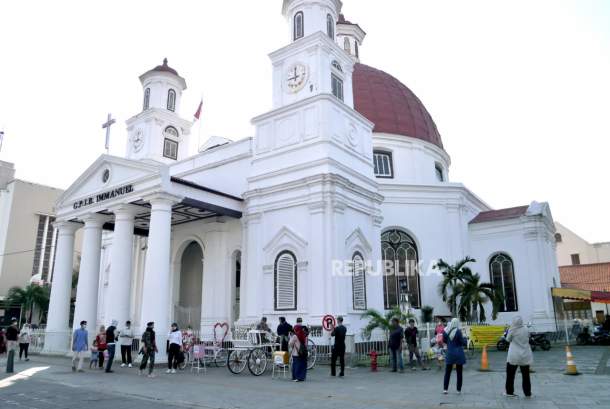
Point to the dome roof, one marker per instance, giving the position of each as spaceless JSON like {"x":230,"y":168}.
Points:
{"x":164,"y":68}
{"x":391,"y":106}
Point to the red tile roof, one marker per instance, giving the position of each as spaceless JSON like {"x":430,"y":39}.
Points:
{"x":391,"y":106}
{"x":500,"y":214}
{"x":592,"y":277}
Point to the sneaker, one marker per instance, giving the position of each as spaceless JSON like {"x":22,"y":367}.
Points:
{"x":510,"y":395}
{"x":27,"y":359}
{"x":445,"y":392}
{"x":173,"y":371}
{"x":459,"y":392}
{"x":109,"y":371}
{"x":168,"y":371}
{"x":129,"y":366}
{"x":139,"y":372}
{"x":341,"y":374}
{"x":73,"y":368}
{"x":123,"y":365}
{"x":528,"y":396}
{"x":151,"y":375}
{"x":81,"y":370}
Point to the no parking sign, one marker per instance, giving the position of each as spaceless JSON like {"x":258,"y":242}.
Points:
{"x":329,"y":323}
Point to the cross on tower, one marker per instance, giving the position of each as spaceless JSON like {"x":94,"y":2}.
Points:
{"x":109,"y":122}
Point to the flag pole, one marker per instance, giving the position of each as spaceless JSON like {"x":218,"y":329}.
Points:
{"x":199,"y":135}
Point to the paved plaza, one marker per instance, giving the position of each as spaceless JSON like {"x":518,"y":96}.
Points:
{"x":58,"y":387}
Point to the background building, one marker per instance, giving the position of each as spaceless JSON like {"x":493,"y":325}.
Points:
{"x":27,"y":235}
{"x":583,"y":266}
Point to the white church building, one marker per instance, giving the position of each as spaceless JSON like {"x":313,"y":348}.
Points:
{"x":347,"y":169}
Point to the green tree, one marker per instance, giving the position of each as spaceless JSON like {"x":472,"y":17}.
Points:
{"x":453,"y":275}
{"x":474,"y":295}
{"x":30,"y":297}
{"x":383,"y":321}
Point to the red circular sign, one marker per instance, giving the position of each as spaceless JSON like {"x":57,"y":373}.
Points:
{"x":329,"y":323}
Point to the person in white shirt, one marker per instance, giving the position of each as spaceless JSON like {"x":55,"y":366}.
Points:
{"x":126,"y":341}
{"x":174,"y":341}
{"x":25,"y":336}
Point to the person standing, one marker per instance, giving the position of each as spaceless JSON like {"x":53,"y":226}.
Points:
{"x":174,"y":346}
{"x":519,"y":356}
{"x":126,"y":341}
{"x":395,"y":345}
{"x":283,"y":332}
{"x":149,"y":349}
{"x":80,"y":345}
{"x":411,"y":335}
{"x":298,"y":350}
{"x":2,"y":341}
{"x":12,"y":337}
{"x":93,"y":360}
{"x":100,"y":339}
{"x":25,"y":337}
{"x":338,"y":350}
{"x":455,"y":342}
{"x":111,"y":338}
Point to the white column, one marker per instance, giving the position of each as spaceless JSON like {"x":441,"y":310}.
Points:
{"x":58,"y":325}
{"x":121,"y":262}
{"x":156,"y":295}
{"x":89,"y":274}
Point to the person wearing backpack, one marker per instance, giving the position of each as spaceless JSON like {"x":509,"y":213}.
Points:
{"x":298,"y":348}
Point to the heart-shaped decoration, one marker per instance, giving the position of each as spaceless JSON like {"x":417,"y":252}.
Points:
{"x":221,"y":326}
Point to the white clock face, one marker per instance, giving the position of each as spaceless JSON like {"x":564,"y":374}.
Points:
{"x":296,"y":77}
{"x":138,"y":140}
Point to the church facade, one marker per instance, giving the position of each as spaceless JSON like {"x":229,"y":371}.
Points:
{"x":340,"y":202}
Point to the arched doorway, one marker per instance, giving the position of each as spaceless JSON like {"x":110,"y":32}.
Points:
{"x":236,"y":280}
{"x":188,"y":307}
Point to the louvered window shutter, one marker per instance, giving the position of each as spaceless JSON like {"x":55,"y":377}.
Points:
{"x":285,"y":282}
{"x":358,"y":282}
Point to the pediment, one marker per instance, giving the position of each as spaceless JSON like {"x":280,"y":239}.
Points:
{"x":286,"y":238}
{"x":106,"y":173}
{"x":357,"y":238}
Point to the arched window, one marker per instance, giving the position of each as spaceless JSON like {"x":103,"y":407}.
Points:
{"x":358,"y":282}
{"x":170,"y":143}
{"x":401,"y":269}
{"x":299,"y":25}
{"x":285,"y":282}
{"x":146,"y":104}
{"x":558,"y":238}
{"x":356,"y":48}
{"x":503,"y":278}
{"x":438,"y":170}
{"x":347,"y":45}
{"x":171,"y":100}
{"x":330,"y":26}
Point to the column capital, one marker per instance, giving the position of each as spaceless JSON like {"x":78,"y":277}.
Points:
{"x":126,"y":211}
{"x":162,"y":199}
{"x":66,"y":227}
{"x":94,"y":220}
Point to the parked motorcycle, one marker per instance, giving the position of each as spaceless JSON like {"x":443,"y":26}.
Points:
{"x":539,"y":340}
{"x":503,"y":343}
{"x":599,"y":337}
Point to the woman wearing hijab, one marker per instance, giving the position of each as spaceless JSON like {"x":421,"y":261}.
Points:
{"x":297,"y":341}
{"x":519,"y":355}
{"x":455,"y":354}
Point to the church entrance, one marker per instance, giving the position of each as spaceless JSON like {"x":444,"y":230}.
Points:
{"x":188,"y":308}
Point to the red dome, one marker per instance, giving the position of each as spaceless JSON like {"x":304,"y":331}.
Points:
{"x":391,"y":106}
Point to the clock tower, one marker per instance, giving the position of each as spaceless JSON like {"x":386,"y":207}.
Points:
{"x":158,"y":133}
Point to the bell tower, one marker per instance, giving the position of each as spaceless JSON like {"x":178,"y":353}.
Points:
{"x":158,"y":133}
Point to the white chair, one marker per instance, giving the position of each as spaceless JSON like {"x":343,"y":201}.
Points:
{"x":198,"y":362}
{"x":280,"y":366}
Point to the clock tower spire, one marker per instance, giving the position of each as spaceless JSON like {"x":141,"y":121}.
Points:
{"x":158,"y":133}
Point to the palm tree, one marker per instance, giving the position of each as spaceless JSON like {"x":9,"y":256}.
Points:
{"x":473,"y":297}
{"x":383,"y":321}
{"x":31,"y":297}
{"x":453,"y":275}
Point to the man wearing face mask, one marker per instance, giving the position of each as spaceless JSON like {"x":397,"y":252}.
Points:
{"x":80,"y":345}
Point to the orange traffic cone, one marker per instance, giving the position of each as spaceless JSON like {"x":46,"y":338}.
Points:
{"x":570,"y":366}
{"x":484,"y":360}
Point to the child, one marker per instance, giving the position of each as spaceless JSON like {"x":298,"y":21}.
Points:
{"x":94,"y":355}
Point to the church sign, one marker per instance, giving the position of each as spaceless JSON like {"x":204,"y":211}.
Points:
{"x":111,"y":194}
